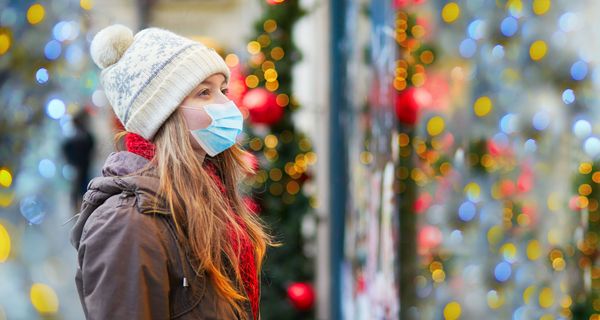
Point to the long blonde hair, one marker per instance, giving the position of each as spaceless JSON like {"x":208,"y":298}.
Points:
{"x":201,"y":211}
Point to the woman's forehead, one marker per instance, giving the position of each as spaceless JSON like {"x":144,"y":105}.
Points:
{"x":216,"y":79}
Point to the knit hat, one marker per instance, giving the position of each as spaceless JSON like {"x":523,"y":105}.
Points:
{"x":145,"y":77}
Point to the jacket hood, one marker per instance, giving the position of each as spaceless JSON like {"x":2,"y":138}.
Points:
{"x":124,"y":173}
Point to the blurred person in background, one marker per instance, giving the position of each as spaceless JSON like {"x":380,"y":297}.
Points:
{"x":78,"y":150}
{"x":164,"y":232}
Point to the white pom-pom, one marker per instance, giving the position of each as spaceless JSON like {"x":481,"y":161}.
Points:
{"x":109,"y":44}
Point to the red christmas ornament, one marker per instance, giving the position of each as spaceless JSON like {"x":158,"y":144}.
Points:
{"x":237,"y":86}
{"x":302,"y":295}
{"x":262,"y":106}
{"x":274,"y":2}
{"x":429,"y":237}
{"x":405,"y":3}
{"x":407,"y":106}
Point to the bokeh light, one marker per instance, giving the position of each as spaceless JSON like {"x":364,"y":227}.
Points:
{"x":450,"y":12}
{"x":509,"y":26}
{"x":36,"y":13}
{"x":568,"y":96}
{"x":538,"y":49}
{"x":43,"y":298}
{"x":502,"y":271}
{"x":41,"y":76}
{"x":55,"y":108}
{"x":52,"y":50}
{"x":5,"y":243}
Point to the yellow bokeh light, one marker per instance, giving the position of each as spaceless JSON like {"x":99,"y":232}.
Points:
{"x":271,"y":75}
{"x":584,"y":189}
{"x":558,"y":264}
{"x":596,"y":177}
{"x":566,"y":302}
{"x":36,"y":13}
{"x":435,"y":125}
{"x":450,"y":12}
{"x":275,"y":174}
{"x":232,"y":60}
{"x":438,"y":275}
{"x":546,"y":298}
{"x":515,"y":6}
{"x":534,"y":250}
{"x":509,"y":251}
{"x":282,"y":100}
{"x":271,"y":141}
{"x":418,"y":79}
{"x":547,"y":317}
{"x":272,"y":85}
{"x":540,"y":7}
{"x":253,"y":47}
{"x":6,"y":199}
{"x":277,"y":53}
{"x":483,"y":106}
{"x":270,"y":25}
{"x":418,"y":31}
{"x":311,"y":158}
{"x":4,"y":244}
{"x":538,"y":50}
{"x":472,"y":190}
{"x":365,"y":157}
{"x":494,"y":299}
{"x":5,"y":178}
{"x":4,"y":42}
{"x":528,"y":293}
{"x":452,"y":311}
{"x":264,"y":40}
{"x":251,"y":81}
{"x":86,"y":4}
{"x":494,"y":234}
{"x":292,"y":187}
{"x":585,"y":168}
{"x":43,"y":298}
{"x":427,"y":57}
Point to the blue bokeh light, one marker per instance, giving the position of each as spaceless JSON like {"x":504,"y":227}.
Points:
{"x":498,"y":51}
{"x":508,"y":123}
{"x":42,"y":76}
{"x":530,"y":146}
{"x":592,"y":146}
{"x":52,"y":50}
{"x":476,"y":29}
{"x":55,"y":108}
{"x":568,"y":96}
{"x":509,"y":26}
{"x":47,"y":168}
{"x":32,"y":209}
{"x":502,"y":271}
{"x":582,"y":129}
{"x":467,"y":211}
{"x":541,"y":120}
{"x":579,"y":70}
{"x":467,"y":48}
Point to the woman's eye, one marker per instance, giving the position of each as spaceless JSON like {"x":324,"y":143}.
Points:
{"x":204,"y":92}
{"x":225,"y":91}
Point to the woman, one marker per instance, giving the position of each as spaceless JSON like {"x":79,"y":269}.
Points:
{"x":165,"y":233}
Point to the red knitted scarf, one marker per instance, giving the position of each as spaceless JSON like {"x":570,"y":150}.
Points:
{"x":138,"y":145}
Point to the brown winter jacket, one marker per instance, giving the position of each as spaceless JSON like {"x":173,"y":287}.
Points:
{"x":130,"y":265}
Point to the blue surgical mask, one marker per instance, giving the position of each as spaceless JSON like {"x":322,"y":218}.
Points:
{"x":227,"y":122}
